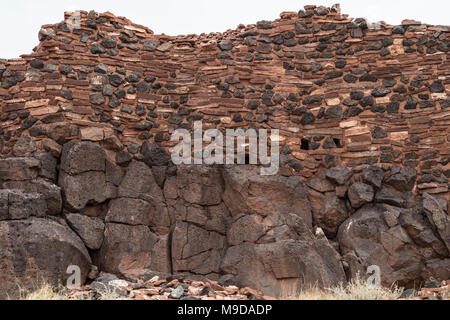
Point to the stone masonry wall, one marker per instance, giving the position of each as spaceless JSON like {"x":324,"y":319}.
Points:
{"x":86,"y":178}
{"x":337,"y":90}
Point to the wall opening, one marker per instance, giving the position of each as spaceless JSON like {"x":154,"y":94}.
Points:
{"x":337,"y":142}
{"x":305,"y":144}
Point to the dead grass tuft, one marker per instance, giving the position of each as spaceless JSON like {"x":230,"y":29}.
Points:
{"x":357,"y":289}
{"x":44,"y":292}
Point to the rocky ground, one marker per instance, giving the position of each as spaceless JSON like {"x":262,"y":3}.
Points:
{"x":108,"y":286}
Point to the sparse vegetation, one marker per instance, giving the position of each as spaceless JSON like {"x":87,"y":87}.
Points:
{"x":44,"y":292}
{"x":356,"y":289}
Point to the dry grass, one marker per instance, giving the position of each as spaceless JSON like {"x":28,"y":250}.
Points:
{"x":357,"y":289}
{"x":45,"y":291}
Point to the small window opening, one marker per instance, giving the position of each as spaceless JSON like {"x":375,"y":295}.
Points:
{"x":305,"y":144}
{"x":337,"y":142}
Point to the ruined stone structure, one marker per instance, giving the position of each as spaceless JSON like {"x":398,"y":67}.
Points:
{"x":363,"y":114}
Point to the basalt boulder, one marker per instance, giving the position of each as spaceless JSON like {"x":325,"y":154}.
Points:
{"x":89,"y":229}
{"x":197,"y":250}
{"x":402,"y":178}
{"x":154,"y":155}
{"x":82,"y":175}
{"x":284,"y":260}
{"x":130,"y":251}
{"x":436,"y":210}
{"x":247,"y":192}
{"x":328,"y":211}
{"x":373,"y":176}
{"x":360,"y":194}
{"x":47,"y":190}
{"x":339,"y":175}
{"x":38,"y":249}
{"x":377,"y":237}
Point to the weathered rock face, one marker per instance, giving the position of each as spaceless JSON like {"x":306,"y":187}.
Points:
{"x":247,"y":192}
{"x":274,"y":233}
{"x":230,"y":219}
{"x":82,"y":175}
{"x":360,"y":194}
{"x":130,"y":250}
{"x":397,"y":240}
{"x":364,"y":178}
{"x":90,"y":229}
{"x":285,"y":258}
{"x":37,"y":249}
{"x":436,"y":210}
{"x":137,"y":226}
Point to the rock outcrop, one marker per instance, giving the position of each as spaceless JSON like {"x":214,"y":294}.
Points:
{"x":38,"y":249}
{"x":86,"y":177}
{"x":198,"y":221}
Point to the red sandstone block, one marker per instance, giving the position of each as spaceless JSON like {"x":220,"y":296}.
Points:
{"x":82,"y":110}
{"x":13,"y":107}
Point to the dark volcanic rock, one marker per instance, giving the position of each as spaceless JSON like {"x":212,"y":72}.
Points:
{"x":339,"y":175}
{"x":123,"y":158}
{"x":82,"y":175}
{"x":380,"y":92}
{"x":391,"y":196}
{"x":390,"y":248}
{"x":437,"y":86}
{"x":402,"y":178}
{"x":398,"y":30}
{"x":373,"y":175}
{"x":154,"y":155}
{"x":360,"y":194}
{"x":38,"y":249}
{"x":312,"y":99}
{"x":328,"y":210}
{"x":226,"y":45}
{"x":436,"y":210}
{"x":95,"y":49}
{"x":130,"y":250}
{"x":89,"y":229}
{"x":319,"y":262}
{"x":97,"y":99}
{"x":248,"y":192}
{"x":17,"y":204}
{"x":109,"y":43}
{"x":378,"y":133}
{"x":115,"y":80}
{"x":264,"y":24}
{"x":79,"y":157}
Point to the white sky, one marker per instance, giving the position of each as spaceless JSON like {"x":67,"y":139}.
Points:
{"x":21,"y":19}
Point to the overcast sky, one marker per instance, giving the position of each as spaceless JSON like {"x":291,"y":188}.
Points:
{"x":21,"y":19}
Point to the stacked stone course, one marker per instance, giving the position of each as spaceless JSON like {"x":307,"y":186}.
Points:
{"x":338,"y":89}
{"x":363,"y":115}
